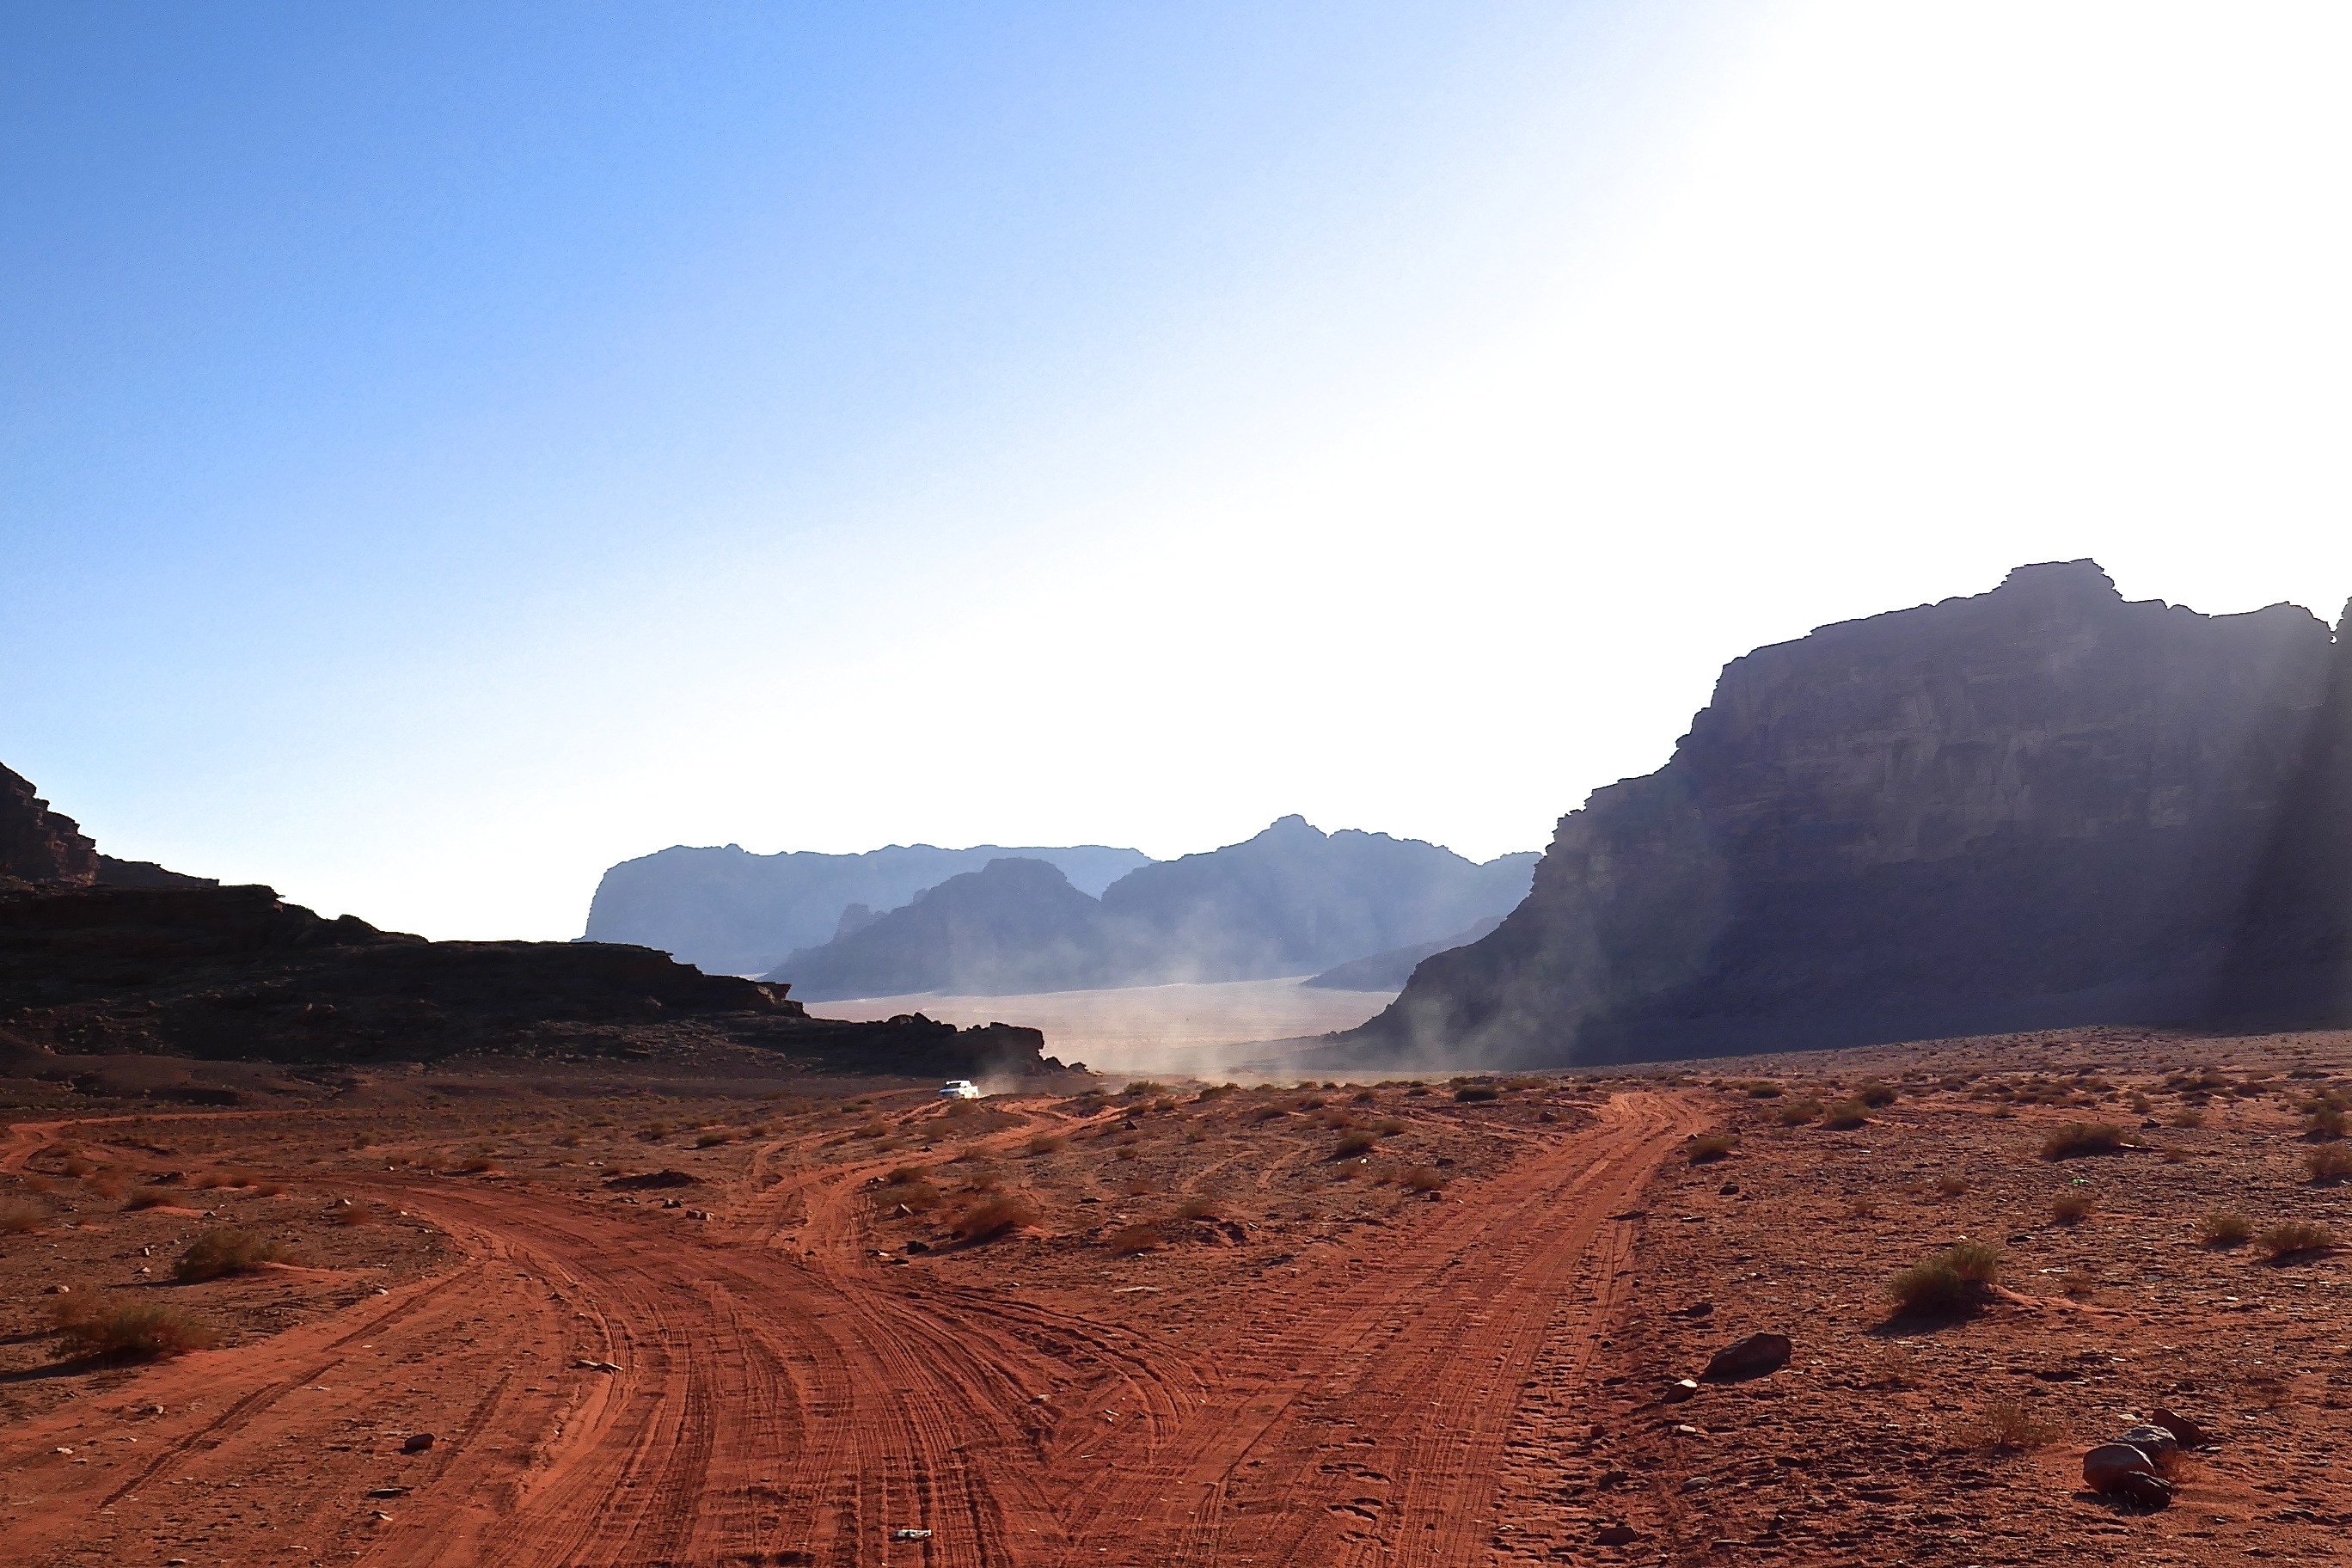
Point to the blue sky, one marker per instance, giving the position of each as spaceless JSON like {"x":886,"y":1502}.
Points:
{"x":446,"y":451}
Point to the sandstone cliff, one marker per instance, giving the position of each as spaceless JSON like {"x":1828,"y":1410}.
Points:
{"x":37,"y":845}
{"x":2037,"y":806}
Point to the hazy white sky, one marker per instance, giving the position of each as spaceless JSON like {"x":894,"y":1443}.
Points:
{"x":1388,"y":417}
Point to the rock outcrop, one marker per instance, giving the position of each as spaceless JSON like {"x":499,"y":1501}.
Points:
{"x":1291,"y":899}
{"x":1389,"y":970}
{"x":235,"y":974}
{"x":37,"y":845}
{"x":2038,"y":807}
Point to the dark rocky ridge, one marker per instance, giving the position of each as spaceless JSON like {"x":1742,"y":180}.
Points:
{"x":106,"y":959}
{"x":1290,"y":901}
{"x":1389,"y":970}
{"x":2038,"y":807}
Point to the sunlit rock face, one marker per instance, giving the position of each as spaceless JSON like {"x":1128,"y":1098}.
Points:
{"x":2040,"y":806}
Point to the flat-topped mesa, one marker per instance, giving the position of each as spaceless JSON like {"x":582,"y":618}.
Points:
{"x":2036,"y":806}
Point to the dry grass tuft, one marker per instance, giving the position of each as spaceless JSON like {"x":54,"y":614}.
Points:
{"x":1134,"y":1238}
{"x":1846,"y":1115}
{"x":1200,"y":1208}
{"x":995,"y":1215}
{"x":1875,"y":1095}
{"x":1422,"y":1179}
{"x":2292,"y":1237}
{"x":1474,"y":1093}
{"x":2071,"y":1207}
{"x":1710,"y":1148}
{"x":1354,"y":1145}
{"x":1797,"y":1113}
{"x":343,"y":1211}
{"x":2224,"y":1230}
{"x":156,"y":1198}
{"x":2328,"y":1164}
{"x":2077,"y":1138}
{"x":139,"y":1331}
{"x":19,"y":1218}
{"x":229,"y":1251}
{"x":1951,"y":1281}
{"x":2008,"y":1424}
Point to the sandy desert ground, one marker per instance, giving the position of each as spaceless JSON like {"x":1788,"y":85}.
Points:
{"x":755,"y":1320}
{"x":1181,"y":1029}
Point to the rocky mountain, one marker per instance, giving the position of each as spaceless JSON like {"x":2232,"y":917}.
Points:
{"x":2038,"y":807}
{"x":102,"y":958}
{"x":1291,"y":899}
{"x":1389,"y":970}
{"x":729,"y":911}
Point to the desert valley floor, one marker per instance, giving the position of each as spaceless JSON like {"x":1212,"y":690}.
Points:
{"x":710,"y":1313}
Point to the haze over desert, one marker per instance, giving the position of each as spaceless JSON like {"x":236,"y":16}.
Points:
{"x":1060,"y":786}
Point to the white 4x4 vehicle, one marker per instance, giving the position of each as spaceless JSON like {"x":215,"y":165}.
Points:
{"x":958,"y":1089}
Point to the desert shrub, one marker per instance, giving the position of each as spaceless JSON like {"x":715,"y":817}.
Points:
{"x":476,"y":1165}
{"x":1200,"y":1208}
{"x":1144,"y":1089}
{"x":1388,"y":1129}
{"x":996,"y":1214}
{"x":1216,"y":1091}
{"x":138,"y":1331}
{"x":917,"y":1194}
{"x":209,"y":1180}
{"x":1366,"y":1097}
{"x":2187,"y":1116}
{"x":229,"y":1251}
{"x":2077,"y":1282}
{"x":2070,"y":1207}
{"x":1712,"y":1147}
{"x":2140,"y":1102}
{"x":20,"y":1218}
{"x":1950,"y":1281}
{"x":2224,"y":1229}
{"x":1125,"y":1152}
{"x":1352,"y":1145}
{"x":1422,"y":1179}
{"x":2076,"y":1139}
{"x":343,"y":1211}
{"x":1797,"y":1113}
{"x":1862,"y":1208}
{"x":107,"y":1185}
{"x":1046,"y":1142}
{"x":2291,"y":1237}
{"x":77,"y":1167}
{"x":1845,"y":1115}
{"x":571,"y":1139}
{"x":713,"y":1139}
{"x":2329,"y":1163}
{"x":1134,"y":1238}
{"x":1765,"y":1091}
{"x":1138,"y":1186}
{"x":1950,"y":1184}
{"x":1416,"y":1090}
{"x":1475,"y":1093}
{"x":274,"y":1189}
{"x":1195,"y":1135}
{"x":153,"y":1198}
{"x":871,"y":1130}
{"x":1875,"y":1094}
{"x":2009,"y":1423}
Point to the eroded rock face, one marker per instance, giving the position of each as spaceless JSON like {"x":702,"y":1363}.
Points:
{"x":37,"y":845}
{"x":2037,"y":806}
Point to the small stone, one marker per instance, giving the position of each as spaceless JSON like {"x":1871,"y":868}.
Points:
{"x":1729,"y":1189}
{"x":1678,"y":1390}
{"x":389,"y":1492}
{"x":61,"y":1450}
{"x":1697,"y":1483}
{"x":417,"y":1444}
{"x":1754,"y":1356}
{"x":58,"y":1290}
{"x":2185,"y":1432}
{"x":1617,"y":1535}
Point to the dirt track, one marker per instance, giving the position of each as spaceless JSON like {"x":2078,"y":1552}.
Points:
{"x":783,"y":1397}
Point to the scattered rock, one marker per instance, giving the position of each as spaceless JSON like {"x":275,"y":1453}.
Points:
{"x":417,"y":1444}
{"x":2122,"y":1470}
{"x":1679,"y":1390}
{"x":2185,"y":1432}
{"x":905,"y":1534}
{"x":389,"y":1491}
{"x":1754,"y":1356}
{"x":2154,"y":1441}
{"x":1617,"y":1535}
{"x":1729,"y":1189}
{"x":1698,"y":1309}
{"x":585,"y":1364}
{"x":919,"y":1246}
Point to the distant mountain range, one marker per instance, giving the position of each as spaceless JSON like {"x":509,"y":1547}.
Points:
{"x":729,"y":911}
{"x":1293,"y":900}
